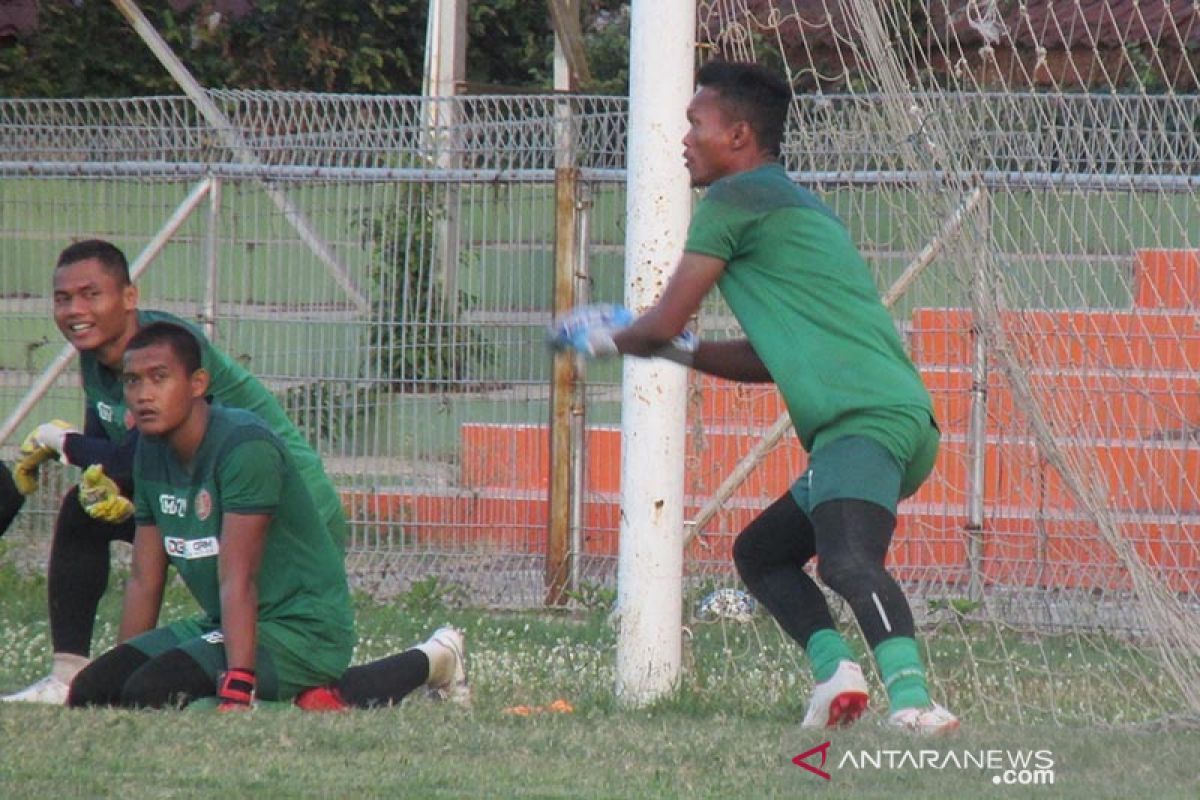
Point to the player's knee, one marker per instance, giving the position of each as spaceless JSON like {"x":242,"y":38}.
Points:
{"x":846,"y":574}
{"x":173,"y":679}
{"x":746,"y":557}
{"x":101,"y":682}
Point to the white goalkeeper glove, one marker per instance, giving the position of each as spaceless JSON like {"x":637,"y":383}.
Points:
{"x":681,"y":349}
{"x":50,"y":436}
{"x":589,"y":330}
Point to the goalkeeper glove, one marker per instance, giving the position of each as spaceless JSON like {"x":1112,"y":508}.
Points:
{"x":50,"y":436}
{"x":11,"y":498}
{"x":235,"y":689}
{"x":25,"y":471}
{"x":589,"y":330}
{"x":101,"y":498}
{"x":681,"y":349}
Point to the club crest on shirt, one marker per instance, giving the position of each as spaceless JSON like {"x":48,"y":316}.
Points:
{"x":105,"y":411}
{"x":203,"y":505}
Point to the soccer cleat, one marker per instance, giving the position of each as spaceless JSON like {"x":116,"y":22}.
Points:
{"x":838,"y":701}
{"x":449,"y":683}
{"x":929,"y":721}
{"x":49,"y":690}
{"x":320,"y":698}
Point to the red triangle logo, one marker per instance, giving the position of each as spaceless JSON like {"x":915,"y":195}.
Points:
{"x":800,"y":760}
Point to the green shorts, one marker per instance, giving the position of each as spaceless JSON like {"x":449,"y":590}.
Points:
{"x":279,"y":674}
{"x":856,"y":466}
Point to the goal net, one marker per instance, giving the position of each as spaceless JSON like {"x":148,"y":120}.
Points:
{"x":1023,"y":179}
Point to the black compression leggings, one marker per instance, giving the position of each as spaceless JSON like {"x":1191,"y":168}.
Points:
{"x":79,"y":566}
{"x":384,"y":682}
{"x":125,"y":676}
{"x":851,"y":538}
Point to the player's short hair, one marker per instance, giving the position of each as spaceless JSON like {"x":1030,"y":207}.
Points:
{"x":183,"y":343}
{"x":107,"y":253}
{"x":751,"y":93}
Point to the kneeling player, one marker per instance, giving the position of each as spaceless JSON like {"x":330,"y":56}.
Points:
{"x":219,"y":497}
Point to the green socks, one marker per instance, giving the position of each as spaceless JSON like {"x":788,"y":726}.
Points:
{"x":903,"y":673}
{"x":899,"y":661}
{"x":826,"y":649}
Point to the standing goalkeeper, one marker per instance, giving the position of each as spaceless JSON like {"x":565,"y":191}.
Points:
{"x":814,"y":326}
{"x":96,"y":309}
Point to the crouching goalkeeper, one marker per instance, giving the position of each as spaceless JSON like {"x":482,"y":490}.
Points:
{"x":220,"y":497}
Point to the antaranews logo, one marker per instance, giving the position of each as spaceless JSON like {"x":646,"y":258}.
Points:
{"x":1003,"y":767}
{"x":801,"y":760}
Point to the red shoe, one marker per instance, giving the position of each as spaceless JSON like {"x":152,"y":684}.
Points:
{"x":321,"y":698}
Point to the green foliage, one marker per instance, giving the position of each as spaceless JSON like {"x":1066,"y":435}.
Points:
{"x":362,"y":46}
{"x":329,"y":413}
{"x":416,"y":341}
{"x":430,"y":595}
{"x":594,"y":597}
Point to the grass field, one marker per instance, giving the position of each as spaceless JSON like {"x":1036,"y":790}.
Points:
{"x":731,"y":730}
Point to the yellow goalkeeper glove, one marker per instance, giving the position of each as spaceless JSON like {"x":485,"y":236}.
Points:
{"x":101,"y":498}
{"x":51,"y":436}
{"x":25,"y":471}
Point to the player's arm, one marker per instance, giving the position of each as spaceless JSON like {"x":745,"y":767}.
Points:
{"x":144,"y":589}
{"x":94,"y":447}
{"x":243,"y":539}
{"x":653,"y":331}
{"x":680,"y":300}
{"x":732,"y":359}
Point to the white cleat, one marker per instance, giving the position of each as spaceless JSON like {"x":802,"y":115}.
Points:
{"x":49,"y":690}
{"x":929,"y":721}
{"x":838,"y":701}
{"x":455,"y":688}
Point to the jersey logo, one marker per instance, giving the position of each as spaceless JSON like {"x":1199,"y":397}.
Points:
{"x":213,"y":637}
{"x":191,"y":548}
{"x":172,"y":506}
{"x":203,"y":505}
{"x":105,"y":411}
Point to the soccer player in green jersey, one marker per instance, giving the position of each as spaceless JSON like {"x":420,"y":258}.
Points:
{"x":220,"y":497}
{"x":815,"y":326}
{"x":96,"y":309}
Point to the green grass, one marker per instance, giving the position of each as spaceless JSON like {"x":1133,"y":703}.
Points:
{"x":731,"y":730}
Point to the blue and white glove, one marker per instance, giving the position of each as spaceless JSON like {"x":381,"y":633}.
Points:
{"x":681,"y":349}
{"x":589,"y":330}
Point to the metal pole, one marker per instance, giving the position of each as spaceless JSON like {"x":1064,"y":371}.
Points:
{"x":562,"y":389}
{"x":55,"y":368}
{"x":232,"y":138}
{"x":654,"y":391}
{"x":210,"y":257}
{"x":977,"y":438}
{"x":579,"y":397}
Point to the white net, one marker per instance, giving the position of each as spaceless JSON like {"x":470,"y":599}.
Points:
{"x":1046,"y":154}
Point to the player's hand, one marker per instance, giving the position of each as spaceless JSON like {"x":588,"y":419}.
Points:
{"x":101,"y":498}
{"x":235,"y":690}
{"x":25,"y":471}
{"x":681,"y":349}
{"x":49,"y":436}
{"x":589,"y":330}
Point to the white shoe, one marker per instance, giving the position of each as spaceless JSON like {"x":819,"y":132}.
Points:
{"x":455,"y":688}
{"x":838,"y":701}
{"x":49,"y":690}
{"x":928,"y":721}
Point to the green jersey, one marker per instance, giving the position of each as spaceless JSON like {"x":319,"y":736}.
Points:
{"x":230,"y":385}
{"x":242,"y":467}
{"x":806,"y":301}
